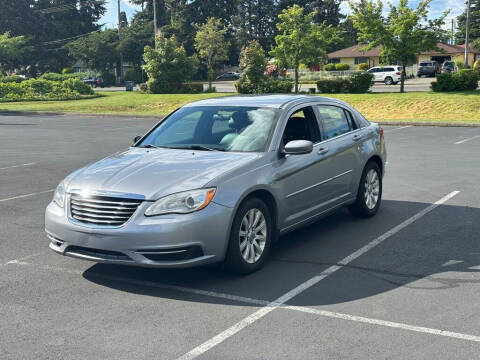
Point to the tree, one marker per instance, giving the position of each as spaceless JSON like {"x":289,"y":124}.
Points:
{"x":168,"y":64}
{"x":211,"y":45}
{"x":403,"y":33}
{"x":13,"y":50}
{"x":253,"y":62}
{"x":326,"y":11}
{"x":300,"y":40}
{"x":255,"y":20}
{"x":474,"y":23}
{"x":97,"y":50}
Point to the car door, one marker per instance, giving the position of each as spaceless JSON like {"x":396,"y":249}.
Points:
{"x":298,"y":179}
{"x":379,"y":74}
{"x":342,"y":140}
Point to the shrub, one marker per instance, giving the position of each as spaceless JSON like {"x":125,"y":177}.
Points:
{"x":329,"y":67}
{"x":460,"y":81}
{"x":476,"y":65}
{"x":361,"y":82}
{"x":109,"y":78}
{"x":41,"y":89}
{"x":341,"y":67}
{"x":143,"y":87}
{"x":168,"y":64}
{"x":67,"y":70}
{"x":358,"y":83}
{"x":363,"y":66}
{"x":11,"y":78}
{"x":253,"y":63}
{"x":134,"y":75}
{"x":63,"y":77}
{"x":163,"y":87}
{"x":276,"y":86}
{"x":78,"y":86}
{"x":459,"y":64}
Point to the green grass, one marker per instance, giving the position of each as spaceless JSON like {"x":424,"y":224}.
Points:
{"x":395,"y":107}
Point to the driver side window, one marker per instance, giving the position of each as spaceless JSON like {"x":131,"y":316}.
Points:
{"x":302,"y":125}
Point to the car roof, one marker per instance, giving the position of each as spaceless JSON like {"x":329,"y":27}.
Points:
{"x":272,"y":101}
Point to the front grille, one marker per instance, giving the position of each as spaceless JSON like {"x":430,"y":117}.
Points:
{"x":102,"y":210}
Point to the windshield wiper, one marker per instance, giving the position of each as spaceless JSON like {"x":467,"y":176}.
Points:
{"x":195,"y":147}
{"x":150,"y":146}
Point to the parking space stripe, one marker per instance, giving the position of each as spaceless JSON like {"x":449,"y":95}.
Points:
{"x":16,"y":166}
{"x":247,"y":300}
{"x":467,"y":139}
{"x":27,"y":195}
{"x":234,"y":329}
{"x":397,"y":128}
{"x":390,"y":324}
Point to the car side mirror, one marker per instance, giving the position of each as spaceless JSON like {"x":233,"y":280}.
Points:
{"x":298,"y":147}
{"x":136,"y":139}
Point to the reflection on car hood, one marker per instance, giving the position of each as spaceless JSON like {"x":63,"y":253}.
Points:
{"x":156,"y":172}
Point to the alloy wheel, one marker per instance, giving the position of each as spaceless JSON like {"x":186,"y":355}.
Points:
{"x":252,"y":235}
{"x":372,"y":189}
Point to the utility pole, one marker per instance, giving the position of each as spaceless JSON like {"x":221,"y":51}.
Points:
{"x":120,"y":73}
{"x":155,"y":22}
{"x":467,"y":33}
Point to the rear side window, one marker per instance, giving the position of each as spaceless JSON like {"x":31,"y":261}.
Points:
{"x":336,"y":121}
{"x":425,"y":64}
{"x":386,"y":69}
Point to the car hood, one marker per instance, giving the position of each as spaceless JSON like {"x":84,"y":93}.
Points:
{"x":156,"y":172}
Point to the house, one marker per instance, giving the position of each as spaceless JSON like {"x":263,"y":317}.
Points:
{"x":353,"y":55}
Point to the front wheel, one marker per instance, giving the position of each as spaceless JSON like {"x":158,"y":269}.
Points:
{"x":250,"y":237}
{"x":369,"y":193}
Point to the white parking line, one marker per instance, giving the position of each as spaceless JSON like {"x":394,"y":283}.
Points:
{"x":26,"y":195}
{"x":390,"y":324}
{"x":234,"y":329}
{"x":397,"y":128}
{"x":467,"y":139}
{"x":15,"y":166}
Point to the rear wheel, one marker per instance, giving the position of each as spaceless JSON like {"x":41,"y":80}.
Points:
{"x":250,"y":237}
{"x":369,"y":193}
{"x":388,"y":80}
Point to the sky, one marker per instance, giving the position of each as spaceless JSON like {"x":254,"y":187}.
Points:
{"x":437,"y":7}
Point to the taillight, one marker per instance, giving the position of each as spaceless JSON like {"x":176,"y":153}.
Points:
{"x":381,"y":132}
{"x":398,"y":73}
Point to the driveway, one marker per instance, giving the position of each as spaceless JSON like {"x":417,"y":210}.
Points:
{"x":401,"y":285}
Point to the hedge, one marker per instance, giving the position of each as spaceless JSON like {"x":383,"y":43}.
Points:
{"x":459,"y":81}
{"x":357,"y":83}
{"x":341,"y":67}
{"x":268,"y":85}
{"x":161,"y":87}
{"x":329,"y":67}
{"x":63,"y":77}
{"x":11,"y":78}
{"x":39,"y":89}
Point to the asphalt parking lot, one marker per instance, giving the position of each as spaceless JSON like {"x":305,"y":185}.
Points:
{"x":402,"y":285}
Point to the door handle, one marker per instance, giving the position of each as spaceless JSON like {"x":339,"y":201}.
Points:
{"x":322,"y":150}
{"x":357,"y":137}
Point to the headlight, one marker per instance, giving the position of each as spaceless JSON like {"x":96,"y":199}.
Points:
{"x":59,"y":195}
{"x":182,"y":203}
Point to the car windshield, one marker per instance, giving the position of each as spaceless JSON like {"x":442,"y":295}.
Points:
{"x":425,"y":64}
{"x":214,"y":128}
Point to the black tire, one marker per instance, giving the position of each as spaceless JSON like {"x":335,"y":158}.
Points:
{"x":360,"y":208}
{"x":388,"y":80}
{"x":234,"y":261}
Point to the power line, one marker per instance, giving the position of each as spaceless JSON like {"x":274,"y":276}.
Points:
{"x":69,"y":38}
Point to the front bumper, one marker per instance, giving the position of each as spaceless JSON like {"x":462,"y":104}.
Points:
{"x":166,"y":241}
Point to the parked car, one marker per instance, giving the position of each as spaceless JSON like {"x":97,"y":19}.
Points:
{"x":94,"y":81}
{"x":448,"y":66}
{"x":428,"y":68}
{"x":388,"y":74}
{"x":219,"y":180}
{"x":229,"y":76}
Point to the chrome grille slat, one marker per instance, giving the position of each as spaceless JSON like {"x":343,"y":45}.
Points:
{"x":102,"y":210}
{"x":119,"y":202}
{"x":102,"y":207}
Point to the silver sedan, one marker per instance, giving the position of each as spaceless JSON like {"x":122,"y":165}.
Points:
{"x":219,"y":180}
